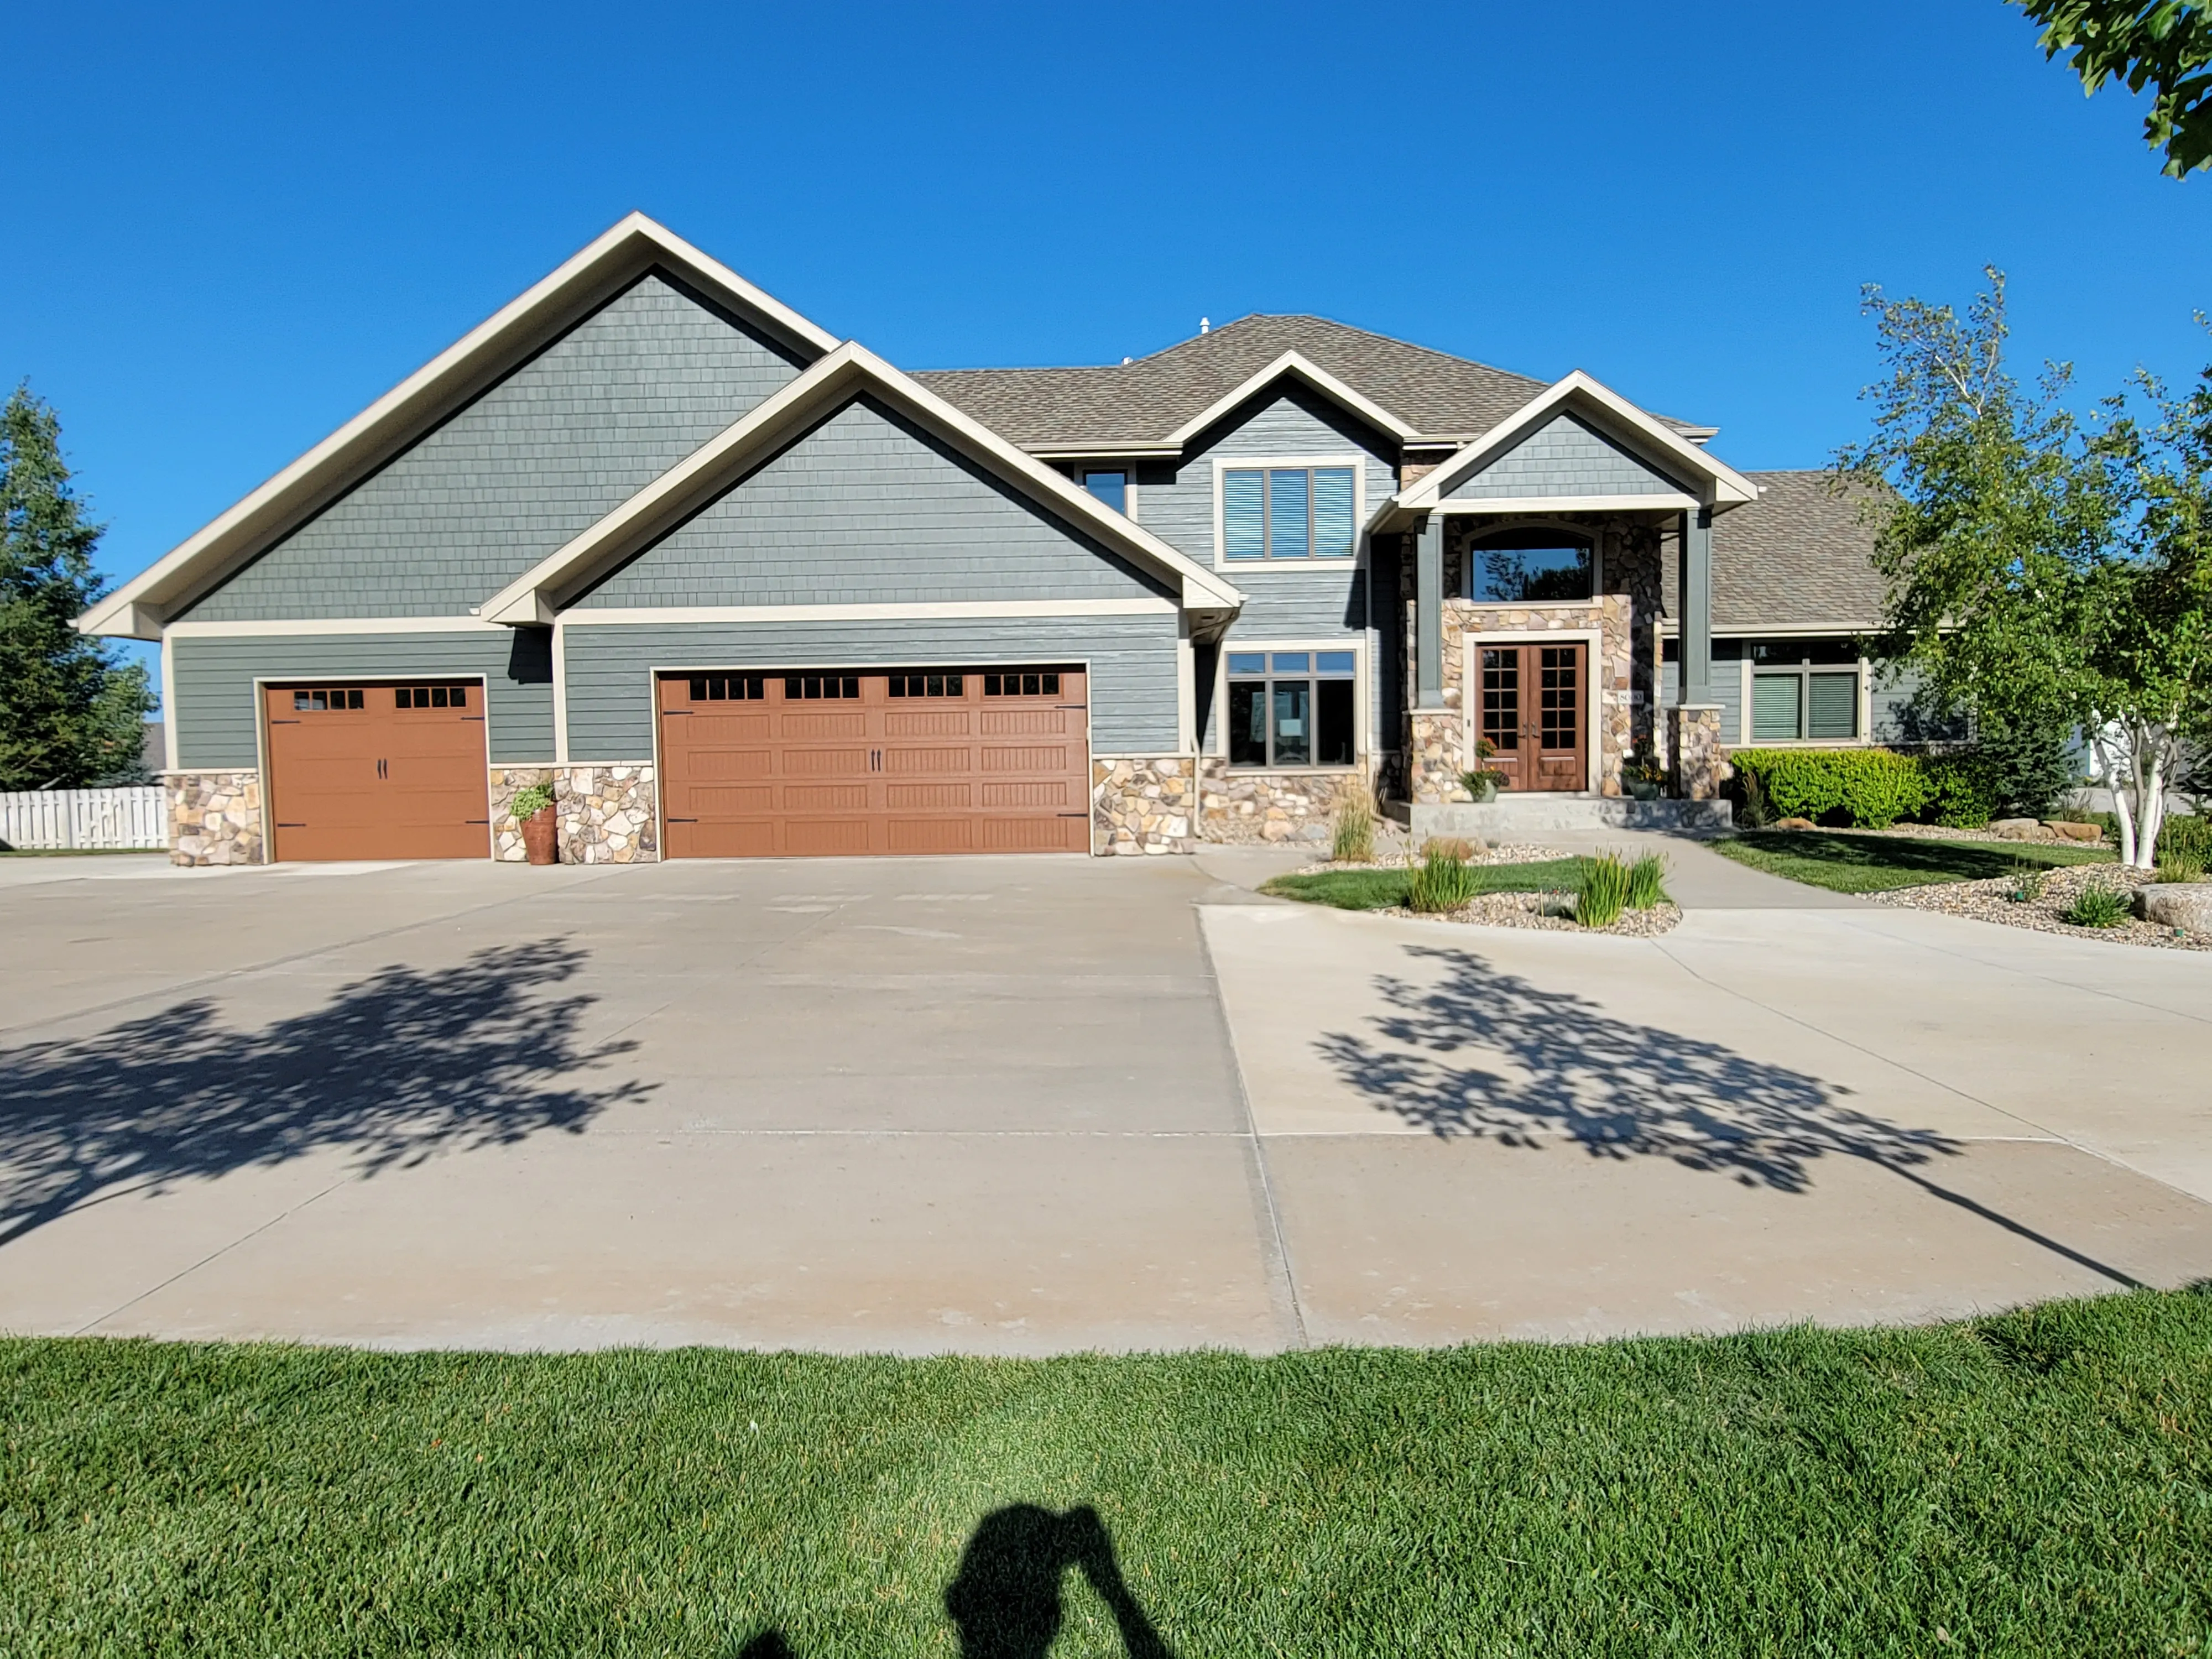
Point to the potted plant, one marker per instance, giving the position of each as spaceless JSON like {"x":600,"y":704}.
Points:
{"x":1484,"y":782}
{"x":533,"y":808}
{"x":1642,"y":778}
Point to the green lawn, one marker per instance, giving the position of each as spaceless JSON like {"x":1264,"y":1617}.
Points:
{"x":2036,"y":1483}
{"x":1378,"y":890}
{"x":1844,"y":863}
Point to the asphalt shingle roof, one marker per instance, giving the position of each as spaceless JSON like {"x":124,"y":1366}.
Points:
{"x":1799,"y":557}
{"x":1141,"y":402}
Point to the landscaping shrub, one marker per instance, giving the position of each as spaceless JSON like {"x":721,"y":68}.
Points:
{"x":2023,"y":763}
{"x":1440,"y":882}
{"x":2186,"y":837}
{"x":1602,"y":894}
{"x":530,"y":800}
{"x":1870,"y":788}
{"x":1647,"y":882}
{"x":2180,"y":867}
{"x":2097,"y":906}
{"x":1354,"y":841}
{"x":1963,"y":789}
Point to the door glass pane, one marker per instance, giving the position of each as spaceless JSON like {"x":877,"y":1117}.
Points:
{"x":1111,"y":488}
{"x":1247,"y":723}
{"x":1286,"y":513}
{"x":1331,"y":511}
{"x":1243,"y":516}
{"x":1774,"y":710}
{"x":1560,"y":695}
{"x":1831,"y":706}
{"x":1293,"y":723}
{"x":1333,"y":733}
{"x":1501,"y":700}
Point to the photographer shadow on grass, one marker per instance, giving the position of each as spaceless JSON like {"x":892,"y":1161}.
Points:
{"x":1005,"y":1600}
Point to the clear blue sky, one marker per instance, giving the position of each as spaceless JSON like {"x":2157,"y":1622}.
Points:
{"x":231,"y":228}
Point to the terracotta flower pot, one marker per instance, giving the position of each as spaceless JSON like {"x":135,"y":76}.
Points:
{"x":541,"y":838}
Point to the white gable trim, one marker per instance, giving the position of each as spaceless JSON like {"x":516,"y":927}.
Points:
{"x":539,"y":596}
{"x":461,"y":372}
{"x":1298,"y":367}
{"x":1717,"y":484}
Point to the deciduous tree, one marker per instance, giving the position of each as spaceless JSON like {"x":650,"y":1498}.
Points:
{"x":2039,"y":566}
{"x":2165,"y":46}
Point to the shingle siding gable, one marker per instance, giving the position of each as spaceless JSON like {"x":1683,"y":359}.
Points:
{"x":556,"y":446}
{"x":1564,"y":457}
{"x":867,"y":509}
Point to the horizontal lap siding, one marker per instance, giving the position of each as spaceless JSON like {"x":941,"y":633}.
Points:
{"x":216,"y":715}
{"x":557,"y":445}
{"x":1728,"y":686}
{"x":1132,"y":662}
{"x":868,"y":509}
{"x":1564,"y":458}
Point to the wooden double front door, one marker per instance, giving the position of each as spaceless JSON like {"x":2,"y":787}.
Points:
{"x":1532,"y":705}
{"x":940,"y":760}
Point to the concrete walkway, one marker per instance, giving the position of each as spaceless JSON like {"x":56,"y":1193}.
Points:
{"x":1821,"y":1110}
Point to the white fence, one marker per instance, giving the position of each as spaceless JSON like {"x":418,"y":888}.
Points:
{"x":85,"y":818}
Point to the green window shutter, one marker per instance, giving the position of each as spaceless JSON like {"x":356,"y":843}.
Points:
{"x":1243,"y":519}
{"x":1774,"y":709}
{"x":1287,"y":516}
{"x":1332,"y":510}
{"x":1832,"y":706}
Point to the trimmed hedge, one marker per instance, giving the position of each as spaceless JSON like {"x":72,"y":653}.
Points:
{"x":1872,"y":788}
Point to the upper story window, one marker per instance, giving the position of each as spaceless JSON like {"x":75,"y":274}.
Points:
{"x":1288,"y":513}
{"x":1531,"y":567}
{"x":1111,"y":488}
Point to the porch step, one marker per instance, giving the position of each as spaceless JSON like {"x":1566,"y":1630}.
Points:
{"x":1534,"y":814}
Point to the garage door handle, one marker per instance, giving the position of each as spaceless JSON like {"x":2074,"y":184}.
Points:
{"x":682,"y":820}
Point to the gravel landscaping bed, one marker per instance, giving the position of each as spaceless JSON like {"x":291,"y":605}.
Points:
{"x":1551,"y":911}
{"x":1508,"y":852}
{"x":2039,"y":837}
{"x":1992,"y":900}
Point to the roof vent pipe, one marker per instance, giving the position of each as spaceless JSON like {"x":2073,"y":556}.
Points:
{"x":1203,"y":325}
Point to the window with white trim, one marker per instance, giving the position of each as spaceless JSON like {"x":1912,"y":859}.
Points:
{"x":1289,"y":513}
{"x":1110,"y":487}
{"x":1292,"y":707}
{"x":1804,"y":691}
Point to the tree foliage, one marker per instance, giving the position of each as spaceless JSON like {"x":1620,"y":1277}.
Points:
{"x":2041,"y":568}
{"x":2166,"y":45}
{"x":71,"y":715}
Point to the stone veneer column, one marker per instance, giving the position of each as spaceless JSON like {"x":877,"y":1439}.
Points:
{"x":1143,"y":804}
{"x":215,"y":817}
{"x":1698,"y":766}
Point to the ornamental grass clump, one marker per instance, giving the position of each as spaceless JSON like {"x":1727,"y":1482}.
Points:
{"x":2180,"y":867}
{"x":2098,"y":905}
{"x":1647,"y":882}
{"x":1354,"y":840}
{"x":1441,"y":882}
{"x":1603,"y":892}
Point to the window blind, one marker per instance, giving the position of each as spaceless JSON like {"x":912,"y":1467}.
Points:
{"x":1831,"y":706}
{"x":1774,"y":707}
{"x":1332,"y":512}
{"x":1244,"y":515}
{"x":1287,"y":514}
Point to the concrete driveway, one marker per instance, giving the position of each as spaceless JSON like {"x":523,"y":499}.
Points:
{"x":992,"y":1105}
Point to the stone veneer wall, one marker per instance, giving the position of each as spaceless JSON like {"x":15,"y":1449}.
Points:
{"x":215,"y":817}
{"x":1143,"y":804}
{"x":605,"y":813}
{"x":1261,"y":806}
{"x":1624,"y":664}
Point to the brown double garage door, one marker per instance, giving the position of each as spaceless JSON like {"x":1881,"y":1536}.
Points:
{"x":766,"y":764}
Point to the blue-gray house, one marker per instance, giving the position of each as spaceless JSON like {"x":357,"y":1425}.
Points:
{"x":734,"y":587}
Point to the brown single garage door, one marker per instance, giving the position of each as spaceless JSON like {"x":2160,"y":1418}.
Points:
{"x":763,"y":765}
{"x":370,"y":769}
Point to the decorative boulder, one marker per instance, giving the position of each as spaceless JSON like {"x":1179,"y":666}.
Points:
{"x":1463,"y":847}
{"x":2015,"y":829}
{"x":2183,"y":904}
{"x":2074,"y":831}
{"x":1796,"y":824}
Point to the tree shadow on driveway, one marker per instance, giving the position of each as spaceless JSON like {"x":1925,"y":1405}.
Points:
{"x":396,"y":1067}
{"x":1482,"y":1053}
